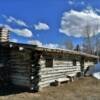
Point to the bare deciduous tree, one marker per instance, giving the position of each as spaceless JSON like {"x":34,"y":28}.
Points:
{"x":87,"y":47}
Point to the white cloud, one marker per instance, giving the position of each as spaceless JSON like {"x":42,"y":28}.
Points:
{"x":21,"y":32}
{"x":21,"y":23}
{"x":41,"y":26}
{"x":50,"y":45}
{"x":11,"y":19}
{"x":7,"y":26}
{"x":74,"y":23}
{"x":40,"y":44}
{"x":14,"y":40}
{"x":35,"y":42}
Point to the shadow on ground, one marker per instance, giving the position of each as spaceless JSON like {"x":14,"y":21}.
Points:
{"x":11,"y":89}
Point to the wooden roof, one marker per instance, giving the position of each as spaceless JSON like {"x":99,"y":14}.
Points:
{"x":50,"y":50}
{"x":65,"y":51}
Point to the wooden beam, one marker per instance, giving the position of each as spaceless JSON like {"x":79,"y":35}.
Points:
{"x":82,"y":65}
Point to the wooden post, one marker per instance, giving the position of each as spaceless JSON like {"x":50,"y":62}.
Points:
{"x":82,"y":66}
{"x":34,"y":71}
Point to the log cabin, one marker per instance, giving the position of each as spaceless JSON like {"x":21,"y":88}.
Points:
{"x":36,"y":67}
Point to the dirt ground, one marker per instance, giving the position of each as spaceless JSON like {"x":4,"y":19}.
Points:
{"x":82,"y":89}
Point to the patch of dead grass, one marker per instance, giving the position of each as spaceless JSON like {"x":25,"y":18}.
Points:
{"x":83,"y":89}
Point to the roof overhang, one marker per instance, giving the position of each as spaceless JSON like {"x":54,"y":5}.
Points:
{"x":54,"y":51}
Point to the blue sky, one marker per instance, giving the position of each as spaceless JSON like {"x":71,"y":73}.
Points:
{"x":43,"y":18}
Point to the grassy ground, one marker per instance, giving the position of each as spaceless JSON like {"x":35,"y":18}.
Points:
{"x":83,"y":89}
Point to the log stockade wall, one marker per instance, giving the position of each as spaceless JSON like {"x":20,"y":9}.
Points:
{"x":37,"y":67}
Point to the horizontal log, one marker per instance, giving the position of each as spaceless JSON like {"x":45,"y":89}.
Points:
{"x":20,"y":77}
{"x":21,"y":83}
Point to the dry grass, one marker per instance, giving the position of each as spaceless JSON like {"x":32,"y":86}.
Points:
{"x":83,"y":89}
